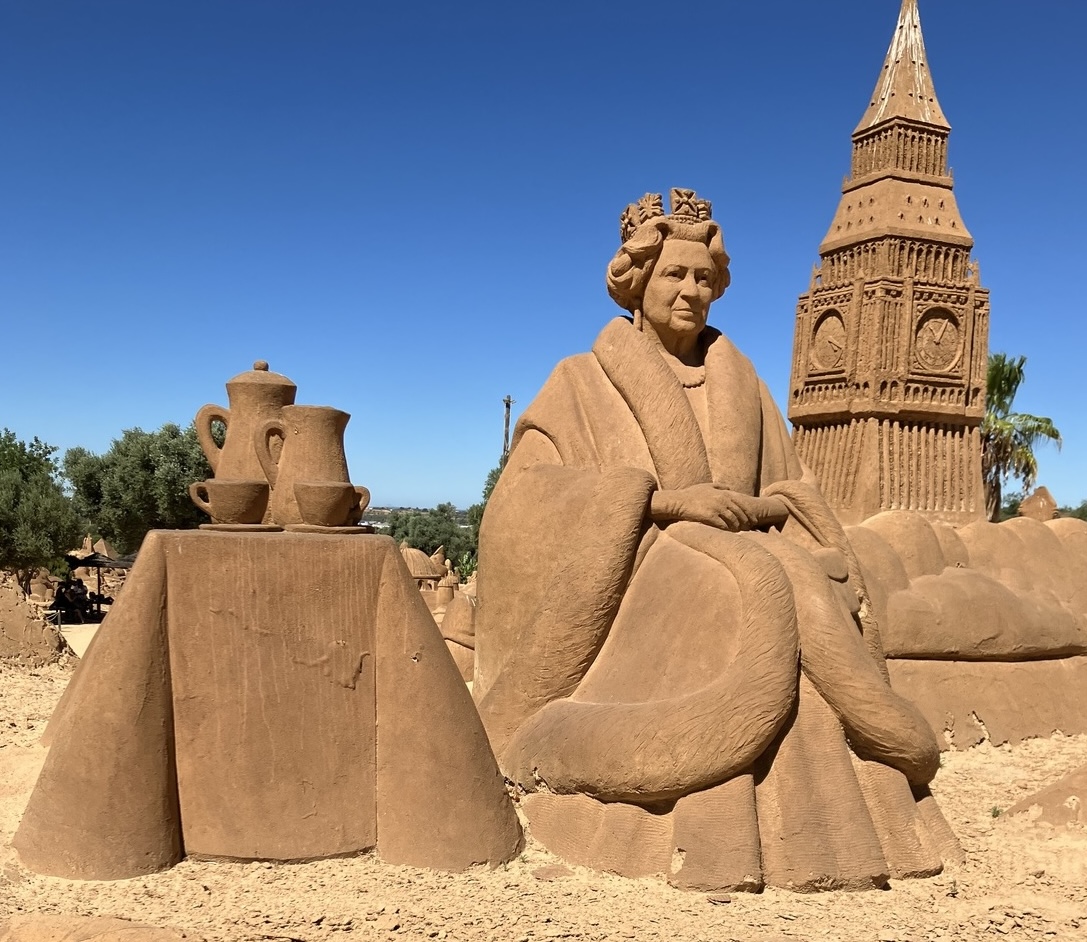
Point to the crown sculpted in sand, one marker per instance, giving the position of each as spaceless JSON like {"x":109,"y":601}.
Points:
{"x":685,"y":206}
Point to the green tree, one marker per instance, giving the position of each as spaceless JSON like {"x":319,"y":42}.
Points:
{"x":475,"y":519}
{"x":445,"y":526}
{"x":475,"y":512}
{"x":38,"y":522}
{"x":1009,"y":506}
{"x":492,"y":479}
{"x":1080,"y":512}
{"x":429,"y":529}
{"x":1008,"y":439}
{"x":140,"y":484}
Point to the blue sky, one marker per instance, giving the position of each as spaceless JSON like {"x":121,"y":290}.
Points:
{"x":408,"y":207}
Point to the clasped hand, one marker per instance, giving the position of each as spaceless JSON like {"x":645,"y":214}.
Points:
{"x":709,"y":504}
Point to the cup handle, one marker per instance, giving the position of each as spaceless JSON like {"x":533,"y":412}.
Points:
{"x":194,"y":493}
{"x":204,"y":418}
{"x":358,"y":506}
{"x":264,"y":452}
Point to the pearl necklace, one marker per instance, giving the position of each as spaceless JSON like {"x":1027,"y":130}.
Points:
{"x":690,"y":377}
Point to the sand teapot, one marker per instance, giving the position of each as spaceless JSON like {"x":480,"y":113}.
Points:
{"x":312,"y":451}
{"x":256,"y":397}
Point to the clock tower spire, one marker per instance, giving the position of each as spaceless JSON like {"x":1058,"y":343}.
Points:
{"x":891,"y":345}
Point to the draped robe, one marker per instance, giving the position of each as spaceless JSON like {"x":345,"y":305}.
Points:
{"x":679,"y":697}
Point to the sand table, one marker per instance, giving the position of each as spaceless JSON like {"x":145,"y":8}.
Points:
{"x":1021,"y":880}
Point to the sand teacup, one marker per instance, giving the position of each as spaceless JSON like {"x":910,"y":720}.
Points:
{"x":324,"y":503}
{"x":231,"y":501}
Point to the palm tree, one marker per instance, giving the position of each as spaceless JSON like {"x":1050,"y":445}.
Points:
{"x":1008,"y":438}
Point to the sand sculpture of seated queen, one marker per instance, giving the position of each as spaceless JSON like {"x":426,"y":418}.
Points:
{"x":692,"y":684}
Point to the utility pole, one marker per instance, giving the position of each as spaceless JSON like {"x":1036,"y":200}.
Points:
{"x":507,"y":402}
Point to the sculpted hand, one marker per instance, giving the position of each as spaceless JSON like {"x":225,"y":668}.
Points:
{"x":708,"y":504}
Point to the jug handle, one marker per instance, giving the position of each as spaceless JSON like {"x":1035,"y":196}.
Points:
{"x":204,"y":418}
{"x":264,"y":452}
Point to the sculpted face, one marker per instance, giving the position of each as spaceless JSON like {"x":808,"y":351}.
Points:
{"x":678,"y":294}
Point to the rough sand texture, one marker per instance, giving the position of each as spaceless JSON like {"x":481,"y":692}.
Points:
{"x":24,"y":636}
{"x":1021,"y":880}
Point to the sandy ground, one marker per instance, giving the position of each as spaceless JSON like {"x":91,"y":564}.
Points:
{"x":79,"y":637}
{"x":1021,"y":880}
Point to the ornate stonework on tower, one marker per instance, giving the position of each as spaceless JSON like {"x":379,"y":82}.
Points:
{"x":891,"y":346}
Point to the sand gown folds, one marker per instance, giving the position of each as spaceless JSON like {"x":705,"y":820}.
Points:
{"x":683,"y":700}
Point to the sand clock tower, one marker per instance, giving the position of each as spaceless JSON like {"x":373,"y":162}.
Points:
{"x":891,"y":345}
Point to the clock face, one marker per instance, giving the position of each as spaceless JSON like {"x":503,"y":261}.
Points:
{"x":937,"y":342}
{"x":828,"y":342}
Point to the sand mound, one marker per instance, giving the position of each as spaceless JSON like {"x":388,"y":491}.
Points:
{"x":24,"y":636}
{"x":1060,"y":803}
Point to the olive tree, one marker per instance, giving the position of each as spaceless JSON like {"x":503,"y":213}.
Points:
{"x":140,"y":484}
{"x":38,"y":522}
{"x":429,"y":529}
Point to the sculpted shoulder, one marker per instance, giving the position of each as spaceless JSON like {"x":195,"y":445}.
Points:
{"x":575,"y":369}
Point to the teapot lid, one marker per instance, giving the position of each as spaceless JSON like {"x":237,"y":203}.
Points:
{"x":260,"y":375}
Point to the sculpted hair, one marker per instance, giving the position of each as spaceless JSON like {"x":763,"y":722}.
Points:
{"x":629,"y":271}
